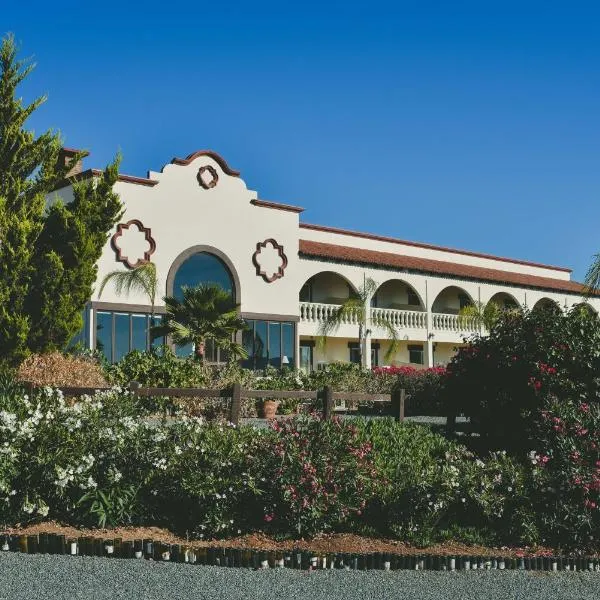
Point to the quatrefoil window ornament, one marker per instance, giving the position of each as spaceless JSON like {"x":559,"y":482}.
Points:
{"x":133,"y":243}
{"x":207,"y":177}
{"x":269,"y":260}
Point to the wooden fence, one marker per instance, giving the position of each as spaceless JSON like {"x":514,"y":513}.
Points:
{"x":237,"y":393}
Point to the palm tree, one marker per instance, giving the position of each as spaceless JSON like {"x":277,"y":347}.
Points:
{"x":357,"y":310}
{"x":142,"y":278}
{"x":592,"y":277}
{"x":205,"y":313}
{"x":480,"y":315}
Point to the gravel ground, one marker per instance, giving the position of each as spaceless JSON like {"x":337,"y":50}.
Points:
{"x":71,"y":578}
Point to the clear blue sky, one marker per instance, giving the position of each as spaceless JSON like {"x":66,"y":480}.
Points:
{"x":469,"y":124}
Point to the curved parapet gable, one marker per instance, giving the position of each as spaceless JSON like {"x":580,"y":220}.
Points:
{"x":211,"y":154}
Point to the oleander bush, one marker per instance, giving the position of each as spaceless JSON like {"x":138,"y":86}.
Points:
{"x":106,"y":460}
{"x":323,"y":475}
{"x":502,"y":379}
{"x":433,"y":484}
{"x":566,"y":471}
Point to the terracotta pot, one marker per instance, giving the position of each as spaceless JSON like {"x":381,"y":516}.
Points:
{"x":268,"y":409}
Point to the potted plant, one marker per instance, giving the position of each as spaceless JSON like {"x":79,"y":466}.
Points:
{"x":268,"y":408}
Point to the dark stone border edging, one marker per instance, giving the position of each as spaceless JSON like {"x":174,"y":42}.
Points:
{"x":45,"y":543}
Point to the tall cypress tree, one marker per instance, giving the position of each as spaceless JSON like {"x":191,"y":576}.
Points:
{"x":48,"y":250}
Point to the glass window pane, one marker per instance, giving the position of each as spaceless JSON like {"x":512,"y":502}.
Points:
{"x":159,"y":341}
{"x":275,"y":344}
{"x":202,"y":268}
{"x":139,"y":332}
{"x":289,"y":344}
{"x":306,"y":358}
{"x":104,"y":334}
{"x":210,"y":351}
{"x":121,"y":336}
{"x":260,"y":345}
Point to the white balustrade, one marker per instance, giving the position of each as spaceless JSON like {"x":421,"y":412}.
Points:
{"x":401,"y":319}
{"x":448,"y":322}
{"x":318,"y":312}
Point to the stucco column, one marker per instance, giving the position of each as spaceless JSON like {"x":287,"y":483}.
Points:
{"x":89,"y":334}
{"x":366,"y":349}
{"x":428,"y":359}
{"x":429,"y":351}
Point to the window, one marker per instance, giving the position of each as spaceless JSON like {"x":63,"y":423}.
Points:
{"x":354,"y":348}
{"x":118,"y":333}
{"x":306,"y":293}
{"x":306,"y":356}
{"x":413,"y":299}
{"x":202,"y":267}
{"x":375,"y":355}
{"x":269,"y":343}
{"x":463,"y":300}
{"x":415,"y":354}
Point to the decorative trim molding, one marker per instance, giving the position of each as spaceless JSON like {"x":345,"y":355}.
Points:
{"x":270,"y":317}
{"x":127,"y":308}
{"x":277,"y":205}
{"x":259,"y":270}
{"x":213,"y":174}
{"x":211,"y":154}
{"x":147,"y":235}
{"x":89,"y":173}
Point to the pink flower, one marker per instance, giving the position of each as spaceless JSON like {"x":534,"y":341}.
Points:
{"x":269,"y":518}
{"x":584,"y":407}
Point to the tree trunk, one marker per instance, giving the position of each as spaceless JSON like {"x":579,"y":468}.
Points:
{"x":199,"y":350}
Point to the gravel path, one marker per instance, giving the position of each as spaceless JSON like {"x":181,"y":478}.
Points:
{"x":71,"y":578}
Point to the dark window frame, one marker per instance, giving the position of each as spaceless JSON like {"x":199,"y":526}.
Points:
{"x":420,"y":350}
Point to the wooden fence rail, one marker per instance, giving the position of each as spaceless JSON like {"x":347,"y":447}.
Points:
{"x":237,"y":393}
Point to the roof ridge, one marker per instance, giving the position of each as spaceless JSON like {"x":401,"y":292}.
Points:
{"x":383,"y":238}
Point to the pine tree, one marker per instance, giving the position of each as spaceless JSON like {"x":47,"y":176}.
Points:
{"x":48,"y":250}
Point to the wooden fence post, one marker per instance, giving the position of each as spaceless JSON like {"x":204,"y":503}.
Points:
{"x":398,"y":401}
{"x":236,"y":404}
{"x":327,"y":402}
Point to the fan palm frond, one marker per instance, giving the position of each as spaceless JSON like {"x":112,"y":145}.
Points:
{"x":204,"y":313}
{"x":141,"y":279}
{"x":592,"y":277}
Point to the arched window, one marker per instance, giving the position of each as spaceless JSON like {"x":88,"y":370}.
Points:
{"x":196,"y":269}
{"x":202,"y":267}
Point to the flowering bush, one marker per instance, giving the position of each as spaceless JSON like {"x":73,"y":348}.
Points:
{"x":423,"y":387}
{"x":501,"y":380}
{"x":321,"y":475}
{"x":82,"y":462}
{"x":433,"y":484}
{"x":566,"y":472}
{"x":208,"y":478}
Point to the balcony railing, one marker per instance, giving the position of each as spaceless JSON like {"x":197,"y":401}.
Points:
{"x":403,"y":319}
{"x":445,"y":322}
{"x":317,"y":312}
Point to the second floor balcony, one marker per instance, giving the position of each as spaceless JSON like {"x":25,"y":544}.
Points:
{"x":395,"y":302}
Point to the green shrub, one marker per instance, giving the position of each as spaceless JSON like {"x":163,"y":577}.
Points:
{"x":566,"y":472}
{"x":159,"y":367}
{"x":83,"y":463}
{"x":432,"y":484}
{"x":209,"y":479}
{"x":500,"y":380}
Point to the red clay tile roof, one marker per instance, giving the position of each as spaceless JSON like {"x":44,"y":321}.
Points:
{"x":400,"y":261}
{"x":382,"y":238}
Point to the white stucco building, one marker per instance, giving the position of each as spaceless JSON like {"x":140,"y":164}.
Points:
{"x":197,"y":221}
